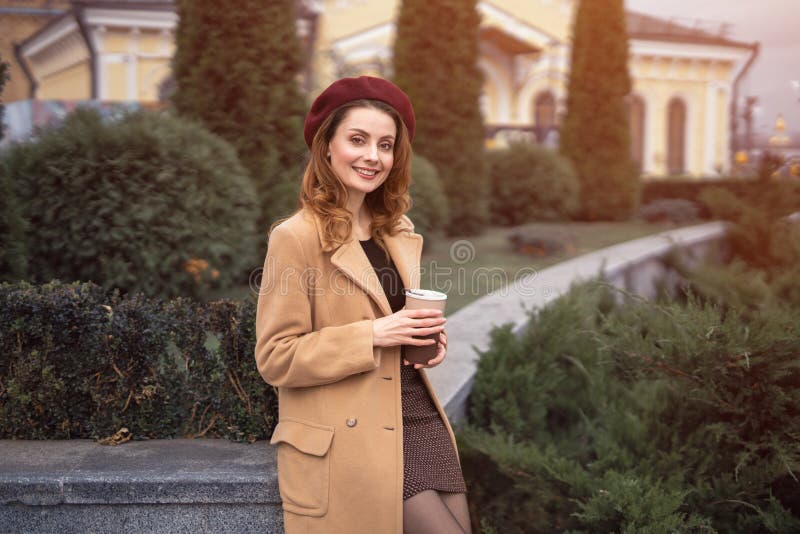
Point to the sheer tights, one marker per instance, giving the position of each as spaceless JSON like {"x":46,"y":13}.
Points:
{"x":433,"y":512}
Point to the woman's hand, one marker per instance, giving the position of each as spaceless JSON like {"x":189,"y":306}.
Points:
{"x":439,"y":355}
{"x":400,"y":327}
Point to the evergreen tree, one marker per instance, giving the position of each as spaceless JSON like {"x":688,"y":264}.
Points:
{"x":596,"y":131}
{"x":435,"y":62}
{"x":13,"y":249}
{"x":236,"y":67}
{"x":4,"y":77}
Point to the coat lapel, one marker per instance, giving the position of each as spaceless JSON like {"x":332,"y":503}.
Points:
{"x":405,"y":248}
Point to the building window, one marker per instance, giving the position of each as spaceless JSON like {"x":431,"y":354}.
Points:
{"x":676,"y":136}
{"x":544,"y":114}
{"x":636,"y":116}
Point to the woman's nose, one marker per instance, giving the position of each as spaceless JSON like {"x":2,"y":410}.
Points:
{"x":372,"y":153}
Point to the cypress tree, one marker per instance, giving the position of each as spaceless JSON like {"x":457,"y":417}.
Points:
{"x":235,"y":66}
{"x":4,"y":77}
{"x":435,"y":62}
{"x":596,"y":131}
{"x":13,"y":249}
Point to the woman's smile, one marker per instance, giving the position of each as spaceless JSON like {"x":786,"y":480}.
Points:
{"x":367,"y":174}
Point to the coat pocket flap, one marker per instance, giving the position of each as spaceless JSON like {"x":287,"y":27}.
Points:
{"x":308,"y":437}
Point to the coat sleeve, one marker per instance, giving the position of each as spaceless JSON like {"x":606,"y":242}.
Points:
{"x":288,"y":353}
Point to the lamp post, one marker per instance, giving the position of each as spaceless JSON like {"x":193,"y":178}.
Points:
{"x":749,"y":113}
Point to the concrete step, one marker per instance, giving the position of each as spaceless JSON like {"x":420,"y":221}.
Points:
{"x":165,"y":485}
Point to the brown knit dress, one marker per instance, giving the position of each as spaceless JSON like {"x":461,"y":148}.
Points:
{"x":429,"y":460}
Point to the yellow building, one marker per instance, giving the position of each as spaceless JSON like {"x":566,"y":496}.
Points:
{"x":106,"y":50}
{"x":684,"y":78}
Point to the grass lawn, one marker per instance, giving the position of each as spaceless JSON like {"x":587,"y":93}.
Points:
{"x":468,"y":267}
{"x":481,"y":264}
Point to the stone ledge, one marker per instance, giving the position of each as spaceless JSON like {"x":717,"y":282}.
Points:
{"x":162,"y":471}
{"x":180,"y":485}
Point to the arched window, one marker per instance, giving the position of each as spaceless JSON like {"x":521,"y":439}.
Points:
{"x":676,"y":136}
{"x":636,"y":116}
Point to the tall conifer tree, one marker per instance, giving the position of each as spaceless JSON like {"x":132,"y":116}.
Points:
{"x":236,"y":67}
{"x":436,"y":63}
{"x":596,"y":131}
{"x":4,"y":77}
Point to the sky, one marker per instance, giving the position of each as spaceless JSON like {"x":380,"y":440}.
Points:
{"x":773,"y":23}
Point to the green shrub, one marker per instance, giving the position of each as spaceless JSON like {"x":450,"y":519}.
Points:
{"x":148,"y":203}
{"x":768,"y":164}
{"x":79,"y":362}
{"x":780,"y":193}
{"x":760,"y":234}
{"x":531,"y":183}
{"x":645,"y":417}
{"x":430,"y":208}
{"x":675,"y":210}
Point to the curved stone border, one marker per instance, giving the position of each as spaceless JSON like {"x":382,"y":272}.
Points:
{"x":633,"y":265}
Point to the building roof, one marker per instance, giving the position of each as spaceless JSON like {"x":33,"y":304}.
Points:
{"x":649,"y":28}
{"x":149,"y":4}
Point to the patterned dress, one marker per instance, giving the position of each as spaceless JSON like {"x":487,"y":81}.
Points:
{"x":429,"y":459}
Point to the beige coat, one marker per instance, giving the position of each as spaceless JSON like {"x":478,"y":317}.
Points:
{"x":340,"y":428}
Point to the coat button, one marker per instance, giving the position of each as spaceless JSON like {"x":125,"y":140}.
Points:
{"x":351,"y":421}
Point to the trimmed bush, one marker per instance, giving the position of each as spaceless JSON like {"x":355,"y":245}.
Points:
{"x":647,"y":417}
{"x":531,"y":183}
{"x":675,"y":210}
{"x":148,"y":203}
{"x":430,"y":208}
{"x":745,"y":189}
{"x":760,"y":235}
{"x":79,"y":362}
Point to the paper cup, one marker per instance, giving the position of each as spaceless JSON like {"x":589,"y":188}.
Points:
{"x":417,"y":299}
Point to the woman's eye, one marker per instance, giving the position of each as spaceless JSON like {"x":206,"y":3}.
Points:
{"x":357,"y":140}
{"x":386,"y":146}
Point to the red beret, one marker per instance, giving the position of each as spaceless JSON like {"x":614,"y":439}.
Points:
{"x":349,"y":89}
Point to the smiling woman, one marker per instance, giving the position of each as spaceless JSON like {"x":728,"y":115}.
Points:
{"x":363,"y":443}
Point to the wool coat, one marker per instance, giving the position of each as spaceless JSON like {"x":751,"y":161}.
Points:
{"x":339,"y":435}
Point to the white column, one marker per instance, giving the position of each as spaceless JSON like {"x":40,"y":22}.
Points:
{"x":98,"y":40}
{"x":711,"y":128}
{"x":132,"y":92}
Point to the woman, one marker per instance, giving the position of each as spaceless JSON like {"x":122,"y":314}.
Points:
{"x":363,"y":443}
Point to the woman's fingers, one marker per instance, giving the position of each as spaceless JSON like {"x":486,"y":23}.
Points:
{"x":418,"y":342}
{"x":436,"y":361}
{"x":422,"y":314}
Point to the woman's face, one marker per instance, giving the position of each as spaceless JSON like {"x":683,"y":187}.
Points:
{"x":362,"y":149}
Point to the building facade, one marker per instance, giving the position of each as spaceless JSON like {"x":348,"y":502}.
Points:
{"x":684,"y":77}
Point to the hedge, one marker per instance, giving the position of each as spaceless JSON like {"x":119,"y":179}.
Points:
{"x":77,"y":361}
{"x":745,"y":189}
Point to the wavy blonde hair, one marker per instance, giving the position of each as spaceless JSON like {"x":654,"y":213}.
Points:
{"x":323,"y":192}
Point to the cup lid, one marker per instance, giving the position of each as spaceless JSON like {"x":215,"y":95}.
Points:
{"x":425,"y":294}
